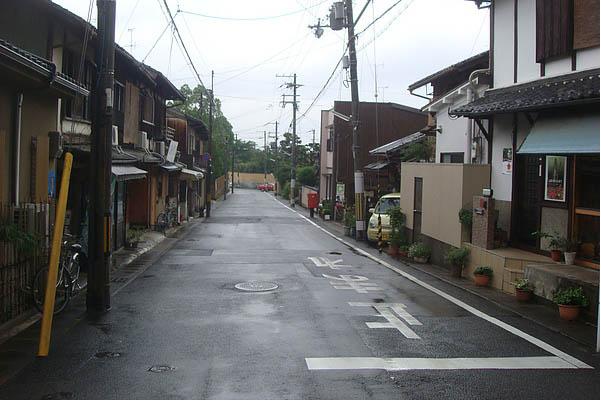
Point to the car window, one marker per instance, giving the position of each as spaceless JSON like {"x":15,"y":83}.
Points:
{"x":386,"y":203}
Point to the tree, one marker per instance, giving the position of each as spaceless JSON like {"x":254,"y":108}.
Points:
{"x":306,"y":175}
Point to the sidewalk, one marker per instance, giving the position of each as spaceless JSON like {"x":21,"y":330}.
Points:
{"x":539,"y":311}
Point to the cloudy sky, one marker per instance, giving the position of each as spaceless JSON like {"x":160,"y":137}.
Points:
{"x":248,"y":43}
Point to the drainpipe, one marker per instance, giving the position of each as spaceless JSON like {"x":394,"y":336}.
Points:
{"x":470,"y":132}
{"x":17,"y":167}
{"x":472,"y":94}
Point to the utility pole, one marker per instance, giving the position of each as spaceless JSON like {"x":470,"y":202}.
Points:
{"x":225,"y":180}
{"x":313,"y":148}
{"x":265,"y":156}
{"x":341,"y":15}
{"x":209,"y":189}
{"x":276,"y":169}
{"x":98,"y":298}
{"x":294,"y":103}
{"x":233,"y":157}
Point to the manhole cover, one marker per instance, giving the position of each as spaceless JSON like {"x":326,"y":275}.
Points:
{"x":256,"y":286}
{"x":107,"y":354}
{"x":161,"y":368}
{"x":61,"y":395}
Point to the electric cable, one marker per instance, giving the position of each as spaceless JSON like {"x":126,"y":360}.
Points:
{"x":253,"y":18}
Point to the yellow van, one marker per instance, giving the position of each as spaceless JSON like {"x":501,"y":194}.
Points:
{"x":385,"y":203}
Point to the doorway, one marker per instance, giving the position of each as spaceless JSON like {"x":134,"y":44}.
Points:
{"x":418,"y":187}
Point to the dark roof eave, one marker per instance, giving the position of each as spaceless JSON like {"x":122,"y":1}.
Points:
{"x":462,"y":64}
{"x":487,"y":114}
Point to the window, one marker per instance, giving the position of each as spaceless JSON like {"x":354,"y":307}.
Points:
{"x":118,"y":99}
{"x":79,"y":107}
{"x":385,"y":204}
{"x":554,"y":28}
{"x":451,"y":157}
{"x":147,"y":105}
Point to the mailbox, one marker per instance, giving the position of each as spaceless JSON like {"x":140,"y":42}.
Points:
{"x":312,"y":200}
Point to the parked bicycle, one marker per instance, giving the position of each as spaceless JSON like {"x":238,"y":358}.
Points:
{"x":167,"y":219}
{"x":67,"y":283}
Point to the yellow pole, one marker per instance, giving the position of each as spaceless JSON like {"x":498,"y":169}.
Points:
{"x":55,"y":251}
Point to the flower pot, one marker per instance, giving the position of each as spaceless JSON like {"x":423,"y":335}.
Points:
{"x":556,"y":255}
{"x":420,"y":259}
{"x":569,"y":312}
{"x":402,"y":253}
{"x":569,"y":257}
{"x":523,"y":295}
{"x":393,"y":250}
{"x":326,"y":217}
{"x":481,"y":280}
{"x":456,"y":271}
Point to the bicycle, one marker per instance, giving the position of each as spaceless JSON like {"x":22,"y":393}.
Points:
{"x":67,"y":283}
{"x":167,"y":219}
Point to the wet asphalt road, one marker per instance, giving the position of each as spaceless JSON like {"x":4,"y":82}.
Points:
{"x":184,"y":312}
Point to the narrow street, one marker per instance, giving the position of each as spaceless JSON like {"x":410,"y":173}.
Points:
{"x":339,"y":325}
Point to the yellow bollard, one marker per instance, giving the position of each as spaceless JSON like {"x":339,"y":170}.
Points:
{"x":55,"y":251}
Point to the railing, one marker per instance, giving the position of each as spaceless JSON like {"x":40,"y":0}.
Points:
{"x":24,"y":244}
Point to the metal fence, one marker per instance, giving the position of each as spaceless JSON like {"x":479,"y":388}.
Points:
{"x":18,"y":266}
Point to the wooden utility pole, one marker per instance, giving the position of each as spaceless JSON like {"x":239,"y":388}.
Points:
{"x":277,"y":159}
{"x":210,"y":186}
{"x":293,"y":168}
{"x":233,"y":157}
{"x":99,"y":249}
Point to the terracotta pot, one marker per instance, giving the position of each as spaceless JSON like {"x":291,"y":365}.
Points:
{"x":481,"y":280}
{"x":556,"y":255}
{"x":523,"y":295}
{"x":456,"y":271}
{"x":402,"y":253}
{"x":393,"y":250}
{"x":419,"y":259}
{"x":569,"y":312}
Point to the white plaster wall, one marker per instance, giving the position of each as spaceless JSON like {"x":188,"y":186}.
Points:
{"x":558,"y":66}
{"x":587,"y":59}
{"x":503,"y":43}
{"x":453,"y":137}
{"x":501,"y":183}
{"x":528,"y":68}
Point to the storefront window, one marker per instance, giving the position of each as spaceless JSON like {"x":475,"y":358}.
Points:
{"x":586,"y":208}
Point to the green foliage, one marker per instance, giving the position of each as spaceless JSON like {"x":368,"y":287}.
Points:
{"x":396,"y":239}
{"x":483,"y":271}
{"x":418,"y":151}
{"x":419,"y":250}
{"x":134,"y":233}
{"x":570,"y":296}
{"x":556,"y":241}
{"x":457,"y":256}
{"x":286,"y":190}
{"x":523,"y":284}
{"x":466,"y":217}
{"x":325,"y":207}
{"x":568,"y":245}
{"x":25,"y":243}
{"x":349,"y":217}
{"x":306,"y":175}
{"x":397,"y":218}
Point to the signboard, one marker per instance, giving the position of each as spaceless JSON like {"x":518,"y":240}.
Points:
{"x":507,"y":160}
{"x":172,"y":151}
{"x":555,"y":178}
{"x":340,"y":192}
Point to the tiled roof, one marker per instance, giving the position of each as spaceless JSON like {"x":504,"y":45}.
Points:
{"x":397,"y":145}
{"x":480,"y":59}
{"x":43,"y":66}
{"x":574,"y":88}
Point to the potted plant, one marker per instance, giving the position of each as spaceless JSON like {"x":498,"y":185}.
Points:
{"x":349,"y":220}
{"x":569,"y":300}
{"x":569,"y":247}
{"x":133,"y":237}
{"x":466,"y":220}
{"x":523,"y":290}
{"x":403,"y":250}
{"x":457,"y":258}
{"x":482,"y":276}
{"x":554,"y":244}
{"x":396,"y":241}
{"x":419,"y":252}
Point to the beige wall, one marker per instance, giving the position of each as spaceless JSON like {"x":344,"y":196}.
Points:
{"x":251,"y":180}
{"x":447,"y":187}
{"x":131,"y":125}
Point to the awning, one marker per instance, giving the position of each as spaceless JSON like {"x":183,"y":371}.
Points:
{"x":561,"y":134}
{"x":376,"y":165}
{"x":194,"y":175}
{"x":397,"y":145}
{"x":125,"y":173}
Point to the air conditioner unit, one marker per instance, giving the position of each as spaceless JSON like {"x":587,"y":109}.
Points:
{"x":115,"y":135}
{"x":143,"y":140}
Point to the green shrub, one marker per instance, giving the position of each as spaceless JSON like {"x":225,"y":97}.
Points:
{"x":349,"y":217}
{"x":286,"y":190}
{"x":396,"y":239}
{"x":305,"y":175}
{"x":570,"y":296}
{"x":24,"y":242}
{"x":523,"y":284}
{"x":483,"y":271}
{"x":466,"y":217}
{"x":419,"y":250}
{"x":457,"y":256}
{"x":397,"y":218}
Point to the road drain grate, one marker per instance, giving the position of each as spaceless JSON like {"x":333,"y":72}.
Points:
{"x":61,"y":395}
{"x":107,"y":354}
{"x":256,"y":286}
{"x":161,"y":368}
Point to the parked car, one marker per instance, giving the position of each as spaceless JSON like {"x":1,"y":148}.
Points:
{"x":384,"y":204}
{"x":265,"y":187}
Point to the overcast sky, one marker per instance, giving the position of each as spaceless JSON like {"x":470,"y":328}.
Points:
{"x":247,"y":43}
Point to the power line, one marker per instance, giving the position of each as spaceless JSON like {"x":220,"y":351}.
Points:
{"x":253,"y":18}
{"x":128,"y":19}
{"x":381,"y":15}
{"x":156,"y":41}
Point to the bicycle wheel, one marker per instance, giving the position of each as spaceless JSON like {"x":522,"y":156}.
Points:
{"x":63,"y":290}
{"x":162,"y":222}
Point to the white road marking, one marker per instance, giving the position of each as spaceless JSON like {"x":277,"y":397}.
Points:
{"x":325,"y":262}
{"x":515,"y":331}
{"x":359,"y":284}
{"x":386,"y":311}
{"x":391,"y":364}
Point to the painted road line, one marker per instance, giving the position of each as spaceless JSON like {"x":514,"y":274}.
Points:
{"x":359,"y":284}
{"x":325,"y":262}
{"x":513,"y":330}
{"x":390,"y":364}
{"x":393,"y":322}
